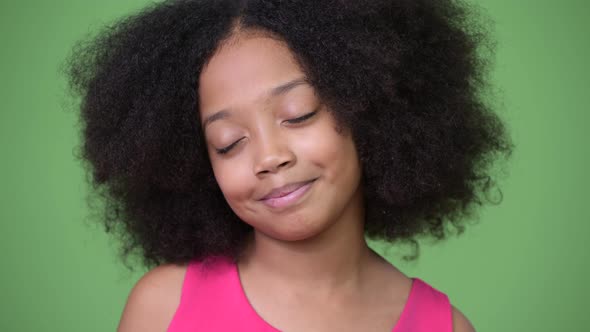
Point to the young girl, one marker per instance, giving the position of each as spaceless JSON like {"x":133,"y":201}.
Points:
{"x":248,"y":148}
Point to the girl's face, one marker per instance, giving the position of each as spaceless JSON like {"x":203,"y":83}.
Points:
{"x":265,"y":129}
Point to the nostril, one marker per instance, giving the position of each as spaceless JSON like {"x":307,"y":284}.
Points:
{"x":272,"y":163}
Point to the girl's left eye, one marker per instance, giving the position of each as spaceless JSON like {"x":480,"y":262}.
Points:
{"x":302,"y":118}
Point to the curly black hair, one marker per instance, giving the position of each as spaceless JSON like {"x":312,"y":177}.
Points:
{"x":409,"y":77}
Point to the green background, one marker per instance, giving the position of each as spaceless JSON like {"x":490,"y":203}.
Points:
{"x":522,"y":267}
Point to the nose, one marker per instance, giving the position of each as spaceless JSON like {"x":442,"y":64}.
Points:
{"x":273,"y":154}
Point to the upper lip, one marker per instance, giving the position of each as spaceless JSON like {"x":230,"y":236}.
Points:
{"x":285,"y":190}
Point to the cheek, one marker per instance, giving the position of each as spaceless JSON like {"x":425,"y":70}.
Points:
{"x":232,"y":180}
{"x":333,"y":153}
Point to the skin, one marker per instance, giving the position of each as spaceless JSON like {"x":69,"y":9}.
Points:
{"x":313,"y":253}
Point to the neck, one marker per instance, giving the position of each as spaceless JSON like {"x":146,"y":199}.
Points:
{"x":329,"y":261}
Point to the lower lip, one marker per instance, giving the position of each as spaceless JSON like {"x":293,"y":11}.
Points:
{"x":290,"y":199}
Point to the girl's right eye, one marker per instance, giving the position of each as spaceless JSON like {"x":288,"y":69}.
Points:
{"x":227,"y":148}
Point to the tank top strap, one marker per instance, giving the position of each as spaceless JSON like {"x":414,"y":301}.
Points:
{"x":208,"y":280}
{"x":427,"y":309}
{"x":212,"y":300}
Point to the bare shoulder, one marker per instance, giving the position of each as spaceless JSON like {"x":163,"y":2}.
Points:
{"x":460,"y":322}
{"x":152,"y":302}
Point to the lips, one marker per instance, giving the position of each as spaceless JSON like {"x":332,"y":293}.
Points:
{"x":285,"y":190}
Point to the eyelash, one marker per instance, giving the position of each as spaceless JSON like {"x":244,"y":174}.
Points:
{"x":292,"y":121}
{"x":302,"y":118}
{"x":226,"y":149}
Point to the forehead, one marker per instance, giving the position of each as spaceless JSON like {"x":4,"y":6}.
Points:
{"x":243,"y":70}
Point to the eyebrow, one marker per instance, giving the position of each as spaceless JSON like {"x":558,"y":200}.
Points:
{"x":274,"y":92}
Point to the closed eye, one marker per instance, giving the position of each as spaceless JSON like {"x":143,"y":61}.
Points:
{"x":302,"y":118}
{"x":227,"y":148}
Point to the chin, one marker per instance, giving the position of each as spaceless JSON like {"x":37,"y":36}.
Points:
{"x":294,"y":231}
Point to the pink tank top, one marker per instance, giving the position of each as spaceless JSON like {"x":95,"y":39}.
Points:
{"x":212,"y":299}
